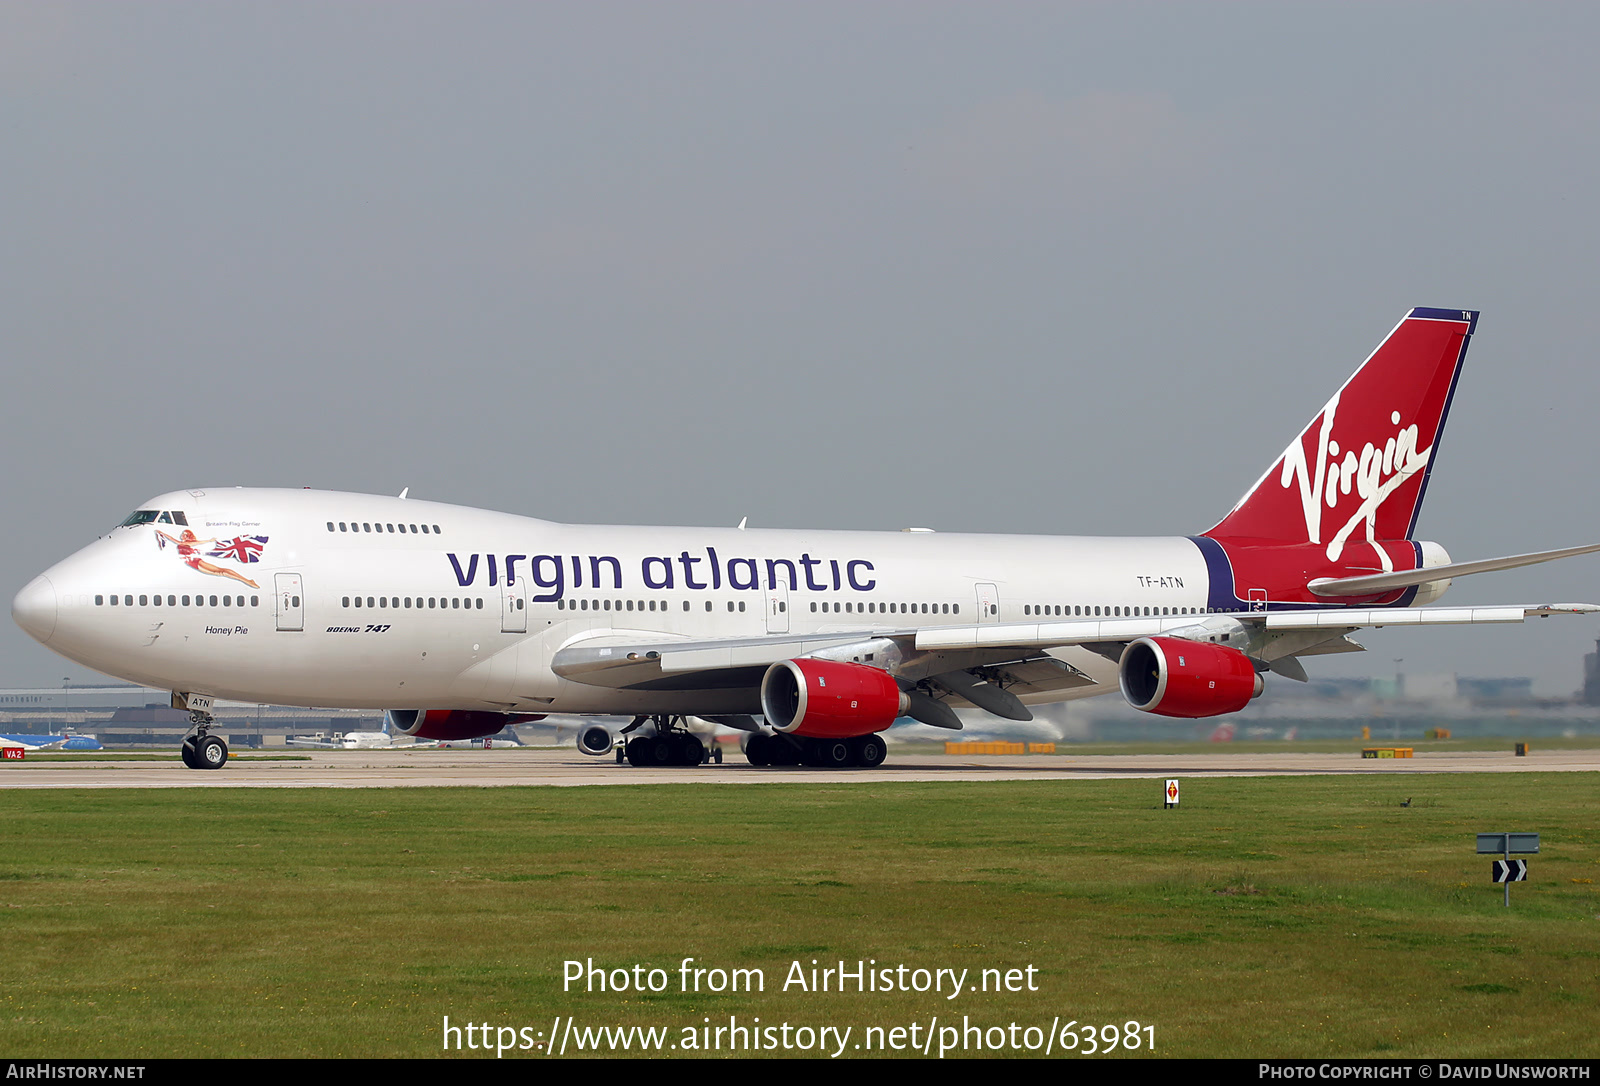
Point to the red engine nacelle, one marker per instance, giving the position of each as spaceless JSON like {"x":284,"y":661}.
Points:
{"x":1174,"y":677}
{"x":448,"y":725}
{"x":829,"y":700}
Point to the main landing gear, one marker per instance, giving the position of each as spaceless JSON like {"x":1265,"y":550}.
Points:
{"x":201,"y":749}
{"x":864,"y":751}
{"x":672,"y":744}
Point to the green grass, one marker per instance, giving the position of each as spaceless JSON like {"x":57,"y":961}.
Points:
{"x":1267,"y":917}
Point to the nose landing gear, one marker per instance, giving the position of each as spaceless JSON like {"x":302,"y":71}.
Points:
{"x":201,"y":749}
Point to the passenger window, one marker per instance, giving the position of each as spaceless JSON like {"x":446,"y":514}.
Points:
{"x":100,"y":600}
{"x":330,"y":525}
{"x":144,"y":601}
{"x":341,"y":525}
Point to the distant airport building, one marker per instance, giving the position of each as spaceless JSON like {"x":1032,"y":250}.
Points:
{"x":1591,"y":676}
{"x":124,"y":714}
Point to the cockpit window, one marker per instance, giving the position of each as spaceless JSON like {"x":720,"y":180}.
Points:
{"x":155,"y":516}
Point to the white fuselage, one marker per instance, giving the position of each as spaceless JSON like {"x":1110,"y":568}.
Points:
{"x":405,"y":603}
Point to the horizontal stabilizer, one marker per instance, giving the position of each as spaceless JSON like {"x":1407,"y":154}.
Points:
{"x":1421,"y":616}
{"x":1371,"y":584}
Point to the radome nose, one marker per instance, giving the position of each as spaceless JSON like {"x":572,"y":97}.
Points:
{"x":34,"y":609}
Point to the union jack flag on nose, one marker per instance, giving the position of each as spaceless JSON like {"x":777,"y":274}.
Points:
{"x":245,"y":549}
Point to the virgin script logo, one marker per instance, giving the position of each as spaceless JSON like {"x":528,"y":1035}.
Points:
{"x":1374,"y":473}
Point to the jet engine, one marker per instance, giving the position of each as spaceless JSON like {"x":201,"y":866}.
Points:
{"x":827,"y":699}
{"x":445,"y":725}
{"x":1173,"y":677}
{"x":596,"y":740}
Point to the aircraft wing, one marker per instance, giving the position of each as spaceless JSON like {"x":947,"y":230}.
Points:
{"x":992,"y":665}
{"x":313,"y":742}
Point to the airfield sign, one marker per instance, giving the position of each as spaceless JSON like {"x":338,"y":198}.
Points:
{"x":1507,"y":870}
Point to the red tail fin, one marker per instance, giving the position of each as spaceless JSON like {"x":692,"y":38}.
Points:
{"x":1358,"y":471}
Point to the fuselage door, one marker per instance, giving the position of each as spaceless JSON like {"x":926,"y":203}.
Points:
{"x":513,"y":609}
{"x":291,"y":602}
{"x":988,"y":603}
{"x":778,"y":608}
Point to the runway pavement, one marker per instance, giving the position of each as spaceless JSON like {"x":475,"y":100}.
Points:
{"x":477,"y":768}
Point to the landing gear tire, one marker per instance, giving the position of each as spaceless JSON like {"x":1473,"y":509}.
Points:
{"x":642,"y":751}
{"x":869,"y":750}
{"x":829,"y":753}
{"x":690,"y":750}
{"x":187,"y":751}
{"x":670,"y":745}
{"x":210,"y":752}
{"x":782,"y":750}
{"x":758,"y":750}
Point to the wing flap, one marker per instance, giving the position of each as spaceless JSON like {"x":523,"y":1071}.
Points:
{"x":1053,"y":634}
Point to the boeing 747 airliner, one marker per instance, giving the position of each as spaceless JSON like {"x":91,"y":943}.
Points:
{"x":462,"y":621}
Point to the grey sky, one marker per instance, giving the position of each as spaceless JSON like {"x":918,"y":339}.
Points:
{"x":1003,"y":267}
